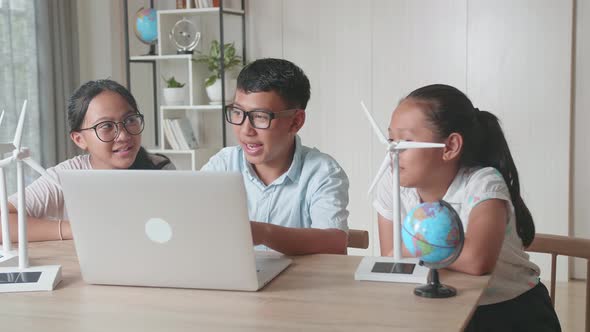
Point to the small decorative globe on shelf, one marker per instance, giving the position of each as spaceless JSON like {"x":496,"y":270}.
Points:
{"x":146,"y":27}
{"x":434,"y":233}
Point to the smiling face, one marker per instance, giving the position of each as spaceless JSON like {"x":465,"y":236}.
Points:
{"x":272,"y":148}
{"x":118,"y":154}
{"x":417,"y":166}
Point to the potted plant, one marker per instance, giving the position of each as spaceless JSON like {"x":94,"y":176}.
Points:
{"x":230,"y":61}
{"x":174,"y":92}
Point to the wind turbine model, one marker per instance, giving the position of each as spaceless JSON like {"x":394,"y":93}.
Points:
{"x":396,"y":268}
{"x":8,"y":257}
{"x":24,"y":277}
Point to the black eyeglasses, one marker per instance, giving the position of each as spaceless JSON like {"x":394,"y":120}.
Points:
{"x":108,"y":131}
{"x":259,"y":119}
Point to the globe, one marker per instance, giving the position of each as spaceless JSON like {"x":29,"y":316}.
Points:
{"x":146,"y":25}
{"x":433,"y":232}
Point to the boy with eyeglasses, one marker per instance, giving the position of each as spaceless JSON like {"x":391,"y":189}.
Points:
{"x":297,"y":196}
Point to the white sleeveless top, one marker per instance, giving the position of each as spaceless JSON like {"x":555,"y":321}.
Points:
{"x":514,"y":274}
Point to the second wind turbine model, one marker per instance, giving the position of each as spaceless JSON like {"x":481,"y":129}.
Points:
{"x":396,"y":268}
{"x":24,"y":277}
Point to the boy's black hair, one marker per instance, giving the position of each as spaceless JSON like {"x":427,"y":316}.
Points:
{"x":278,"y":75}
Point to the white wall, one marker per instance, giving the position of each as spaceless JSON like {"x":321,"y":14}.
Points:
{"x":581,"y":119}
{"x":503,"y":54}
{"x":101,"y":40}
{"x":513,"y":73}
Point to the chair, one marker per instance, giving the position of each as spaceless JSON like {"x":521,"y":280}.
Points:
{"x":565,"y":246}
{"x":358,"y":239}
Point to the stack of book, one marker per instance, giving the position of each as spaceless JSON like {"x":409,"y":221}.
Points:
{"x":182,"y":4}
{"x":180,"y":134}
{"x":206,"y":3}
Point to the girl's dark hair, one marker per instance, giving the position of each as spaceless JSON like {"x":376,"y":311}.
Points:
{"x":78,"y":106}
{"x":450,"y":111}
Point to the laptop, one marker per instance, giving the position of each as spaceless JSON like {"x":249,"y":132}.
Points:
{"x":155,"y":228}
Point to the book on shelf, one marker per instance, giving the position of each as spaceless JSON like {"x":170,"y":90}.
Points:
{"x":180,"y":134}
{"x":206,"y":3}
{"x":182,"y":142}
{"x":169,"y":133}
{"x":187,"y":133}
{"x":187,"y":4}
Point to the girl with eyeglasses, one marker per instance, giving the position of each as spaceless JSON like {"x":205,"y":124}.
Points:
{"x":105,"y":122}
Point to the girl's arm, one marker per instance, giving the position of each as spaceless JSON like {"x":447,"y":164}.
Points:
{"x":483,"y":239}
{"x":37,"y":229}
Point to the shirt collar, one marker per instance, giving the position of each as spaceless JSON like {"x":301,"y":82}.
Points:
{"x":295,"y":169}
{"x":292,"y":173}
{"x":454,"y":194}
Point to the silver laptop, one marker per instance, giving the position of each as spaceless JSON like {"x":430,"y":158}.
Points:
{"x":165,"y":229}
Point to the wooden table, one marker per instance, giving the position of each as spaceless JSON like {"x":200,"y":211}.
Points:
{"x":316,"y":293}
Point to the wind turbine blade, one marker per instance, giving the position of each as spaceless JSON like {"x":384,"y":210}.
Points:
{"x":376,"y":129}
{"x":19,"y":128}
{"x":382,"y":169}
{"x":6,"y":162}
{"x":1,"y":117}
{"x":403,"y":145}
{"x":39,"y":169}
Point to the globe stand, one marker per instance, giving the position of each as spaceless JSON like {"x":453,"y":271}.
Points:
{"x":184,"y":52}
{"x":152,"y":50}
{"x":434,"y":289}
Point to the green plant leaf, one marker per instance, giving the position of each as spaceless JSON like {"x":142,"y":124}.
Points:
{"x":213,"y":59}
{"x":210,"y":80}
{"x":172,"y":83}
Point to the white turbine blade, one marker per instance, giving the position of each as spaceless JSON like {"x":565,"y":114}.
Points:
{"x":1,"y":117}
{"x":403,"y":145}
{"x":376,"y":129}
{"x":382,"y":169}
{"x":19,"y":128}
{"x":39,"y":169}
{"x":6,"y":162}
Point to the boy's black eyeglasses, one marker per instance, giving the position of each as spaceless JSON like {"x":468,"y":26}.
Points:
{"x":108,"y":131}
{"x":259,"y":119}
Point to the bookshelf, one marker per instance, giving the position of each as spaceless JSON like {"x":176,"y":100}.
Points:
{"x":195,"y":115}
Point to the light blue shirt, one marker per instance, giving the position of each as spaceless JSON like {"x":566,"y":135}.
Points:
{"x":312,"y":193}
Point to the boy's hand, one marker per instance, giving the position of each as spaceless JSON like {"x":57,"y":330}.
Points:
{"x":259,"y":232}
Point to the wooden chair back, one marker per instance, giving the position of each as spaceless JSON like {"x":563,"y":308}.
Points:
{"x":358,"y":239}
{"x":557,"y":245}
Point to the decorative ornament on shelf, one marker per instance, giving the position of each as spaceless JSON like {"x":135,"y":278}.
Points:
{"x":213,"y":61}
{"x":146,"y":28}
{"x":185,"y":36}
{"x":174,"y":93}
